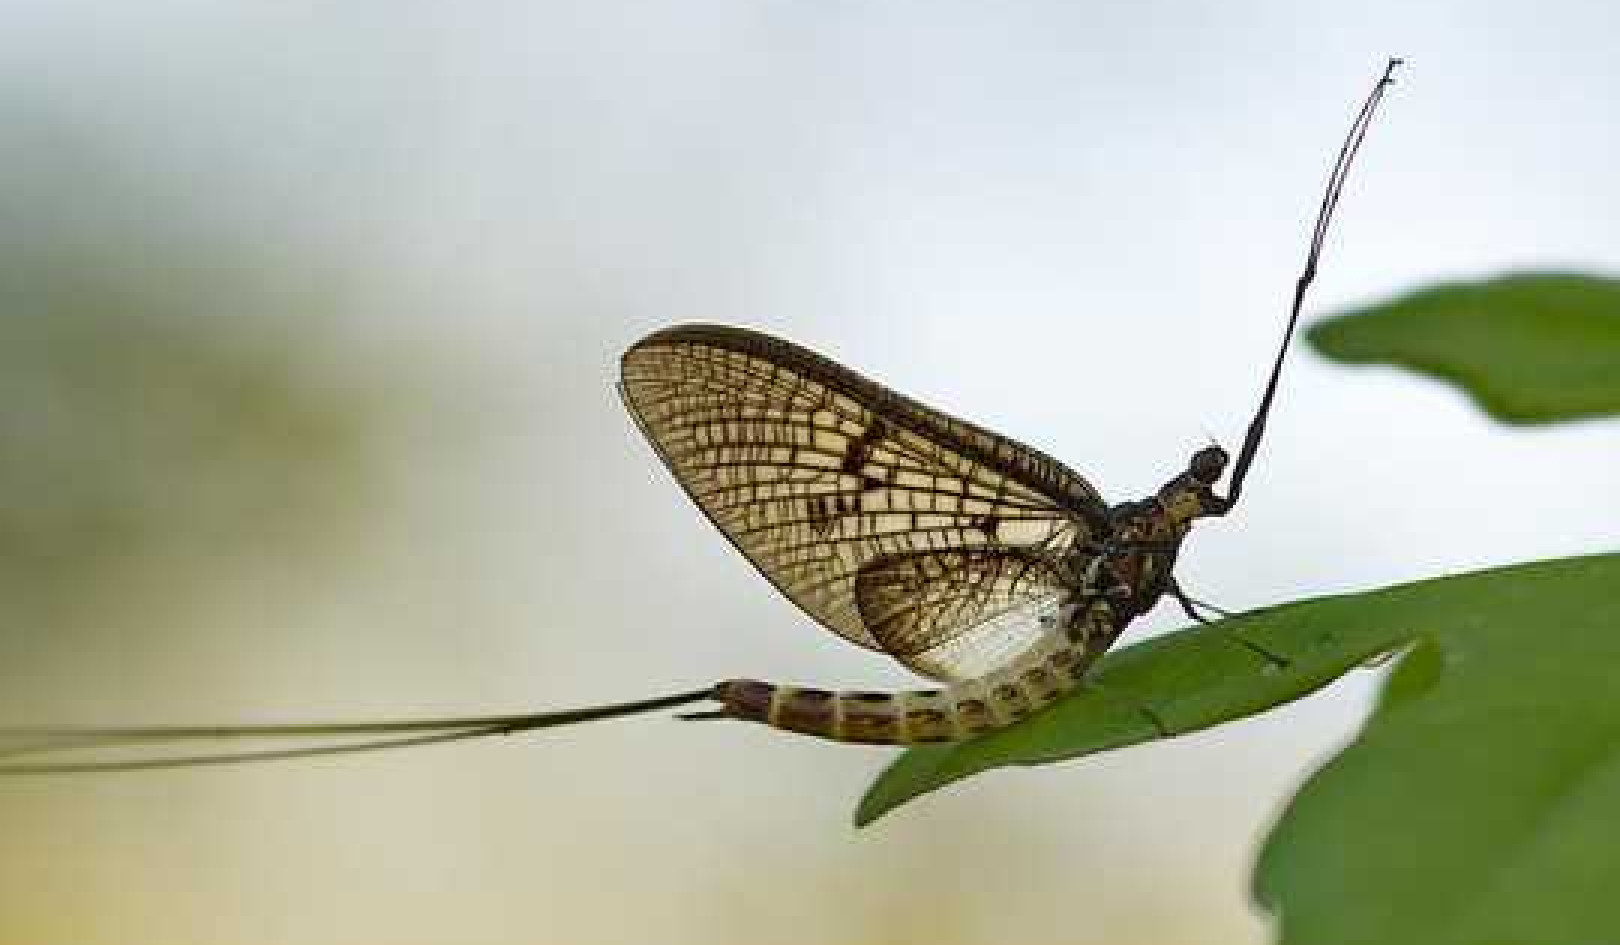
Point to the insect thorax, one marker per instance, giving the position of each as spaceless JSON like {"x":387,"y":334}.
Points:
{"x":1146,"y":535}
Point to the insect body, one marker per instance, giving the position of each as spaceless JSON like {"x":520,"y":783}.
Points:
{"x":971,"y":558}
{"x":974,"y":560}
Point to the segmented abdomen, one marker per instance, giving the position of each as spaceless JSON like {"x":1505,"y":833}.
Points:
{"x":1052,"y":666}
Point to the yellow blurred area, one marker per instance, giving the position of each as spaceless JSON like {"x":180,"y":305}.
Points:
{"x":311,"y":319}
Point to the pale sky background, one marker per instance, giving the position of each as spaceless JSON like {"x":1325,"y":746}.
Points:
{"x":1074,"y":223}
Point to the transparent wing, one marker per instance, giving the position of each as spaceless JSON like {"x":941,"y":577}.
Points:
{"x":957,"y":614}
{"x":896,"y":526}
{"x":977,"y":649}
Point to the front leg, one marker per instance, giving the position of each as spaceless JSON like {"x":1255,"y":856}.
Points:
{"x":1190,"y":606}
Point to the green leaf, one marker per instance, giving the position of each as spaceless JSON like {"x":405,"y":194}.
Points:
{"x":1189,"y":680}
{"x":1478,"y":806}
{"x":1529,"y":348}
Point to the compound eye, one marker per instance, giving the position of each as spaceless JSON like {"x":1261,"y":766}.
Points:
{"x":1207,"y":465}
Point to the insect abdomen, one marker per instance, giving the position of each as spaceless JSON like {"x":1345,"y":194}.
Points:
{"x":902,"y":718}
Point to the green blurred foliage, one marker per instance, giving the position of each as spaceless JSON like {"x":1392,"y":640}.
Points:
{"x":1477,"y":805}
{"x":172,"y":393}
{"x":158,"y":413}
{"x":1529,"y":348}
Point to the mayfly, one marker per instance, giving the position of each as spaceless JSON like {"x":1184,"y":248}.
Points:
{"x":970,"y":558}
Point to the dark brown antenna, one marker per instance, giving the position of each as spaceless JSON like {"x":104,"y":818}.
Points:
{"x":1324,"y":217}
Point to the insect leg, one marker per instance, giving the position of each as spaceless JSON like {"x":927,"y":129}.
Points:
{"x":1191,"y":605}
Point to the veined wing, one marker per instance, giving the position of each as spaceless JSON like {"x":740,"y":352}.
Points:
{"x":959,"y":614}
{"x":895,"y":525}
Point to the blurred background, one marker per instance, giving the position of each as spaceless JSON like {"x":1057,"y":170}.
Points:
{"x":311,"y":318}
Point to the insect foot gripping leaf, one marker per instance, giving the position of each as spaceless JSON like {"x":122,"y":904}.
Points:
{"x":1478,"y":805}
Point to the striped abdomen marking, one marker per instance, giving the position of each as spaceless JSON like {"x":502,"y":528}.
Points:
{"x":1049,"y":668}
